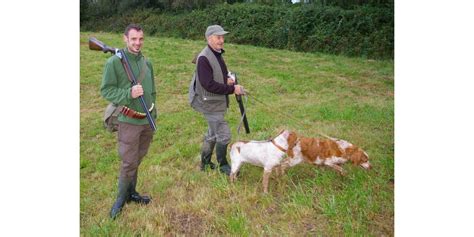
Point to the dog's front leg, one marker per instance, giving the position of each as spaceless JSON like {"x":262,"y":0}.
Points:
{"x":266,"y":177}
{"x":234,"y":170}
{"x":338,"y":169}
{"x":278,"y":169}
{"x":232,"y":177}
{"x":283,"y":166}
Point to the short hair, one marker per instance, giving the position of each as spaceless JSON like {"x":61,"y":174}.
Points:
{"x":132,"y":26}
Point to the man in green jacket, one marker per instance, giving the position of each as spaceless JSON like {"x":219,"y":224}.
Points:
{"x":134,"y":132}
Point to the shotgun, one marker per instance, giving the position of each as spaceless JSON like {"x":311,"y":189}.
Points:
{"x":95,"y":44}
{"x":241,"y":105}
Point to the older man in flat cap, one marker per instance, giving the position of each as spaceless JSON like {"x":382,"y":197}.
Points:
{"x":209,"y":94}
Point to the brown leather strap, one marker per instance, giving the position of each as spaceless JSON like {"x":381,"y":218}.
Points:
{"x":278,"y":146}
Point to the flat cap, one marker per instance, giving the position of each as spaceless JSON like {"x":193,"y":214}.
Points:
{"x":215,"y":30}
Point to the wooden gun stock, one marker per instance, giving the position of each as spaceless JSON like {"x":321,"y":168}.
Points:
{"x":95,"y":44}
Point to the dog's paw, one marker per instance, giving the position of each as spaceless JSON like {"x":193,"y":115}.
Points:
{"x":232,"y":177}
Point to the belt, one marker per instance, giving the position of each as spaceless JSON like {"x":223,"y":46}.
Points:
{"x":135,"y":114}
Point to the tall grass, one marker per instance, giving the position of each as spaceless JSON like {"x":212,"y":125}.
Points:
{"x":343,"y":97}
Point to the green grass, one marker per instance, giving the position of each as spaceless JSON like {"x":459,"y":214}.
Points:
{"x":348,"y":98}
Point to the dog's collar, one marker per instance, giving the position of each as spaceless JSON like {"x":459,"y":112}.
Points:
{"x":278,"y":146}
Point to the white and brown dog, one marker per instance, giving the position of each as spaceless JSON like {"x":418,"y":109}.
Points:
{"x":329,"y":152}
{"x":267,"y":154}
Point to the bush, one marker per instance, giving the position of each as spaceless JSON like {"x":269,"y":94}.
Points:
{"x":363,"y":31}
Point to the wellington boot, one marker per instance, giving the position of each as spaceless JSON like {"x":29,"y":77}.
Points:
{"x":135,"y":196}
{"x":140,"y":199}
{"x":221,"y":153}
{"x":122,"y":197}
{"x":206,"y":154}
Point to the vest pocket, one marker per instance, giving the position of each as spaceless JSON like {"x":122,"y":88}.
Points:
{"x":214,"y":105}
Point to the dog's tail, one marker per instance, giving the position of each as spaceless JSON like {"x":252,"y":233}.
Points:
{"x":235,"y":147}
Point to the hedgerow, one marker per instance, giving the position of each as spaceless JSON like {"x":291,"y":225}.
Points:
{"x":364,"y":31}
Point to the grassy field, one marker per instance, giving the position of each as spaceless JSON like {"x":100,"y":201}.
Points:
{"x":348,"y":98}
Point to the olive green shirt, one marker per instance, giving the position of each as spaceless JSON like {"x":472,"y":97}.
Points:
{"x":116,"y":87}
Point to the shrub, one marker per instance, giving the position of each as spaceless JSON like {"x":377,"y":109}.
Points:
{"x":362,"y":31}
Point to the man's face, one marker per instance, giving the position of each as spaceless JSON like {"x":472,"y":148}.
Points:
{"x":216,"y":42}
{"x":134,"y":41}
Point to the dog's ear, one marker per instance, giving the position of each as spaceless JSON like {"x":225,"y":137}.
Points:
{"x":304,"y":143}
{"x":292,"y":138}
{"x":356,"y":155}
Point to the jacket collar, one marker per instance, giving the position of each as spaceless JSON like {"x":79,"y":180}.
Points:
{"x":215,"y":52}
{"x":135,"y":57}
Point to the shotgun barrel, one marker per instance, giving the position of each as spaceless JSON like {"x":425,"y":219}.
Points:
{"x":241,"y":107}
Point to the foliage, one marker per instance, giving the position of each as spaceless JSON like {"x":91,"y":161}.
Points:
{"x":363,"y":31}
{"x":107,"y":8}
{"x":347,"y":4}
{"x":348,"y":98}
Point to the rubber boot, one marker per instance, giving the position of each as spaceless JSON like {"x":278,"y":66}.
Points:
{"x":135,"y":196}
{"x":122,"y":197}
{"x":221,"y":153}
{"x":206,"y":154}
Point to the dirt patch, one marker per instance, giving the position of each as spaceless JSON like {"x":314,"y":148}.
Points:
{"x":188,"y":224}
{"x":382,"y":224}
{"x":314,"y":226}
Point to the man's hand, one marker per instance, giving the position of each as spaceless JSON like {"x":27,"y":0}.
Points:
{"x":137,"y":90}
{"x":239,"y":90}
{"x":230,"y":81}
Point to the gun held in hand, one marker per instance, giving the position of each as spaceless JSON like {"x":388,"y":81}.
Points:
{"x":95,"y":44}
{"x":241,"y":104}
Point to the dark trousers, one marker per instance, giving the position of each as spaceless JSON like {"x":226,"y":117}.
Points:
{"x":134,"y":141}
